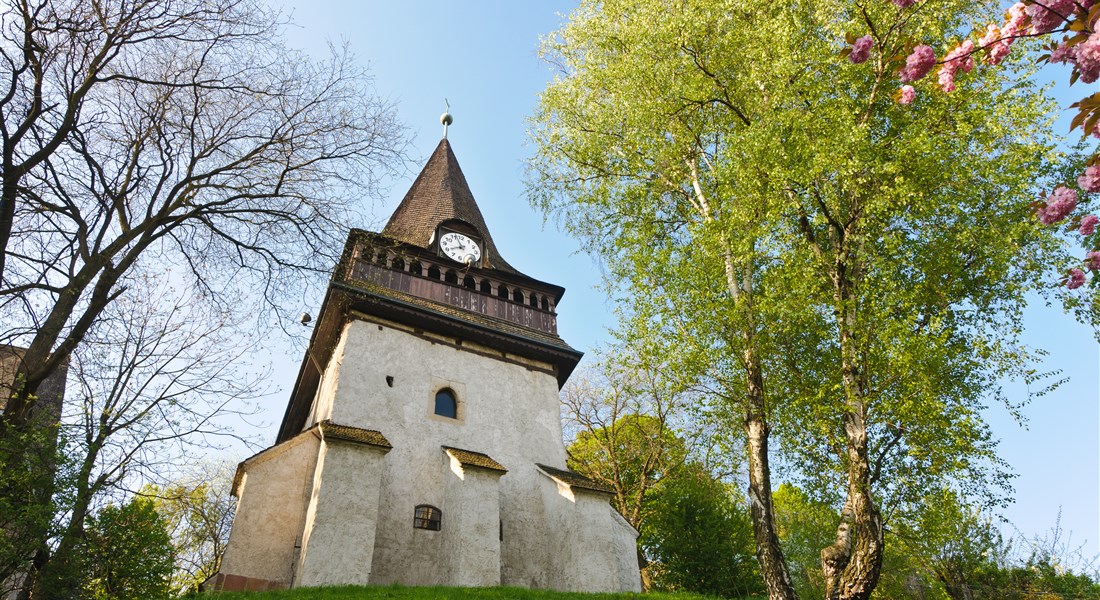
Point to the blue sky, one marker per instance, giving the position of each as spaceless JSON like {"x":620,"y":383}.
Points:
{"x":481,"y":56}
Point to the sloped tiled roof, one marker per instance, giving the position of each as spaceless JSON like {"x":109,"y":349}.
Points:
{"x":575,"y":480}
{"x":354,"y":434}
{"x":469,"y":458}
{"x":440,"y":193}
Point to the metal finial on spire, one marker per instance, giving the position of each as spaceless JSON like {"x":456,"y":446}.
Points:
{"x":446,"y":118}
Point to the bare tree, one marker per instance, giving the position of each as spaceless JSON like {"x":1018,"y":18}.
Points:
{"x":170,"y":133}
{"x":155,"y":380}
{"x":160,"y":136}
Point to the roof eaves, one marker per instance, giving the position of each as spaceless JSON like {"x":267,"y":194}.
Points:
{"x":575,"y":480}
{"x":469,"y":458}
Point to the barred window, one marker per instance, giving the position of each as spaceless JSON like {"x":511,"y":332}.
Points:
{"x":427,"y":517}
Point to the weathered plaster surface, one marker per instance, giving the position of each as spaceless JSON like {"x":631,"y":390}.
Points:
{"x":507,"y":411}
{"x":471,"y":534}
{"x":272,"y":500}
{"x":552,"y":538}
{"x":338,"y":540}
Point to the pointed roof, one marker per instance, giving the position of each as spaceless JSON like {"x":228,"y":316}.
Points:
{"x":440,"y":193}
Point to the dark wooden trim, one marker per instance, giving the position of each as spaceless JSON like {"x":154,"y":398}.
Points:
{"x":469,"y":299}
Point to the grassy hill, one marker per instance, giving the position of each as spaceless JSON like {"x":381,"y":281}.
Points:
{"x":437,"y":593}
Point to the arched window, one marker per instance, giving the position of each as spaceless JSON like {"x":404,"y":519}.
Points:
{"x":433,"y":272}
{"x":446,"y":405}
{"x":545,"y":304}
{"x":533,"y":301}
{"x":486,"y":287}
{"x":502,"y":291}
{"x":450,"y":277}
{"x":398,"y":264}
{"x":428,"y":517}
{"x":415,"y":268}
{"x":468,"y":282}
{"x":517,"y":296}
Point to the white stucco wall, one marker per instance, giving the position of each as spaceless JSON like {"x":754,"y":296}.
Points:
{"x":338,"y":538}
{"x":273,"y":496}
{"x":591,"y":547}
{"x":471,"y":532}
{"x":350,"y":507}
{"x":624,"y":541}
{"x":507,"y":410}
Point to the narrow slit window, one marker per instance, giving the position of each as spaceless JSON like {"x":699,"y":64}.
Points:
{"x":446,"y":405}
{"x":428,"y":517}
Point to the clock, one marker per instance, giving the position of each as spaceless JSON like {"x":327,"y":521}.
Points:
{"x":460,"y":248}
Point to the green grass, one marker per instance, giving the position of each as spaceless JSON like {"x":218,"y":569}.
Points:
{"x":437,"y":593}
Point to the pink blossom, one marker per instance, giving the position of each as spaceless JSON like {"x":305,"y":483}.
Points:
{"x":961,"y":57}
{"x":908,"y":94}
{"x":861,"y":49}
{"x":1090,"y":181}
{"x":1046,"y":15}
{"x":1087,"y":56}
{"x":999,"y":50}
{"x":995,"y":44}
{"x":999,"y":41}
{"x":1059,"y":204}
{"x":992,"y":34}
{"x":919,"y":63}
{"x":1088,"y":225}
{"x":1063,"y":54}
{"x":1017,"y":16}
{"x":905,"y":3}
{"x":1076,"y":279}
{"x":1092,"y":261}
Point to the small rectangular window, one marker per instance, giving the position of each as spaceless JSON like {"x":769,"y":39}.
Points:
{"x":428,"y":517}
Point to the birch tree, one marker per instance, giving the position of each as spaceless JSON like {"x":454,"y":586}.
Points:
{"x":850,"y":271}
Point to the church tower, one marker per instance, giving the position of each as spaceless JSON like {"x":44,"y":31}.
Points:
{"x":422,"y":441}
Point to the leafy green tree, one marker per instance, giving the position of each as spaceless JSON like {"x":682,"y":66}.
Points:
{"x":958,"y":544}
{"x":805,"y":527}
{"x":700,"y":536}
{"x":846,"y":272}
{"x":198,"y":512}
{"x":628,"y":428}
{"x":630,"y":455}
{"x":127,"y":553}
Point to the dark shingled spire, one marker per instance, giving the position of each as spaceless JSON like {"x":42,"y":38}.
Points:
{"x":440,"y":193}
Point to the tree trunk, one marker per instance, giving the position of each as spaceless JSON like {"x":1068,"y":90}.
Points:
{"x":643,"y":571}
{"x":852,"y":563}
{"x":7,"y":214}
{"x":773,"y":567}
{"x":56,"y":574}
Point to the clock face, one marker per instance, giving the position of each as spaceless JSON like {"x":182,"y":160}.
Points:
{"x":459,"y":247}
